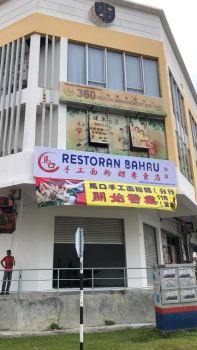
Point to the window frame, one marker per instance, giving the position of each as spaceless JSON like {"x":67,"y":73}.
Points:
{"x":193,"y":124}
{"x":88,"y":81}
{"x":105,"y":83}
{"x":181,"y":130}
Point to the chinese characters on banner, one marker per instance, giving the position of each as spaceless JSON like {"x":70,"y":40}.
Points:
{"x":65,"y":192}
{"x":127,"y":195}
{"x":66,"y":177}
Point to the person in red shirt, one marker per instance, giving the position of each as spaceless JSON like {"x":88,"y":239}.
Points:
{"x":8,"y":262}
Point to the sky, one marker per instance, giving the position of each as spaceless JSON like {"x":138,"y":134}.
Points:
{"x":182,"y":19}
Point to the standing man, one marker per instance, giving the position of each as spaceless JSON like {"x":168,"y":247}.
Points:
{"x":7,"y":262}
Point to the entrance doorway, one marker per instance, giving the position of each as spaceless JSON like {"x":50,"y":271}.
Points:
{"x":150,"y":250}
{"x":104,"y":252}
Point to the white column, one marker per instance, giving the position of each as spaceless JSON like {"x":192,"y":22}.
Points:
{"x":32,"y":94}
{"x":62,"y":107}
{"x":135,"y":256}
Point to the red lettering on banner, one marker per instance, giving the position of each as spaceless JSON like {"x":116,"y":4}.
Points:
{"x":50,"y":164}
{"x":146,"y":176}
{"x":134,"y":175}
{"x":93,"y":171}
{"x":121,"y":173}
{"x":107,"y":172}
{"x":119,"y":198}
{"x":157,"y":177}
{"x":134,"y":198}
{"x":150,"y":200}
{"x":80,"y":171}
{"x":99,"y":197}
{"x":66,"y":169}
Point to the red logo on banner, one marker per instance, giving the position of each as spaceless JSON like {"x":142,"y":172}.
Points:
{"x":46,"y":164}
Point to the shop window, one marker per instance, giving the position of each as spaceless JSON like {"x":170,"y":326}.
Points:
{"x":97,"y":131}
{"x":76,"y":64}
{"x":96,"y":59}
{"x":111,"y":69}
{"x":115,"y":70}
{"x":151,"y":81}
{"x":133,"y":74}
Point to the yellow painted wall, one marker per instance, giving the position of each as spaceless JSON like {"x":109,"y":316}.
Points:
{"x":190,"y":140}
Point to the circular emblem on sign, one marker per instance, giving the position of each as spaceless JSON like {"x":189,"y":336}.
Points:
{"x":69,"y":91}
{"x":102,"y":13}
{"x":46,"y":162}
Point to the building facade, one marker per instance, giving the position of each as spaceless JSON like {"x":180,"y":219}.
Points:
{"x":105,"y":79}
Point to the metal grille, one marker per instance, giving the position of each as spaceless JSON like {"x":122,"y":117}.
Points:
{"x":96,"y":230}
{"x":49,"y":82}
{"x":14,"y":60}
{"x":150,"y":250}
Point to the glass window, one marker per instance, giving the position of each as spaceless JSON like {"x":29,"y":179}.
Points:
{"x":115,"y":70}
{"x":181,"y":131}
{"x":76,"y":64}
{"x":151,"y":80}
{"x":96,"y":60}
{"x":194,"y":133}
{"x":133,"y":74}
{"x":105,"y":68}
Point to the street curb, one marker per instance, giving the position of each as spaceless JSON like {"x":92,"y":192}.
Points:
{"x":16,"y":334}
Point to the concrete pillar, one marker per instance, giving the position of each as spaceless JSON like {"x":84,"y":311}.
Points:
{"x":62,"y":107}
{"x":32,"y":94}
{"x":135,"y":257}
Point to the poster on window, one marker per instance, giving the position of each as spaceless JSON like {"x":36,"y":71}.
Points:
{"x":149,"y":134}
{"x":139,"y":135}
{"x":98,"y":128}
{"x":77,"y":129}
{"x":118,"y":134}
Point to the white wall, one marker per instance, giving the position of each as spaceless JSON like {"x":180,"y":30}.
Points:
{"x":176,"y":71}
{"x":17,"y":169}
{"x":127,"y":19}
{"x":185,"y":187}
{"x":33,"y":242}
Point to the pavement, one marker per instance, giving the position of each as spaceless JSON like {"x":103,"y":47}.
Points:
{"x":15,"y":334}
